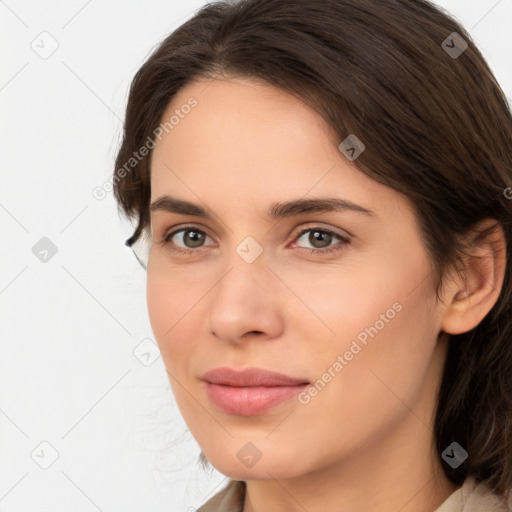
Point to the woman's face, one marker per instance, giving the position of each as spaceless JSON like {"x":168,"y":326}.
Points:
{"x":356,"y":319}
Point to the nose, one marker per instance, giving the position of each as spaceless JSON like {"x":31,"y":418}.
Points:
{"x":247,"y":302}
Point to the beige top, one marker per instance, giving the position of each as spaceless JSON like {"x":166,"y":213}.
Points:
{"x":471,"y":497}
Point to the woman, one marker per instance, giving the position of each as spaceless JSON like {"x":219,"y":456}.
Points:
{"x":322,"y":191}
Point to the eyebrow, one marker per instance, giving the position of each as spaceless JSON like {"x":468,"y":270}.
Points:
{"x":278,"y":210}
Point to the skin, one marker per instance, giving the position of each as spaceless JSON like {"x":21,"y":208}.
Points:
{"x":243,"y":147}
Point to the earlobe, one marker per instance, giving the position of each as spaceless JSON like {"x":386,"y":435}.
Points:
{"x":476,"y":295}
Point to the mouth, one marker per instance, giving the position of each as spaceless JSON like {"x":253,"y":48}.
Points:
{"x":250,"y":392}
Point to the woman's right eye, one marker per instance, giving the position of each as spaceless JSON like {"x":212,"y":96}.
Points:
{"x":190,"y":238}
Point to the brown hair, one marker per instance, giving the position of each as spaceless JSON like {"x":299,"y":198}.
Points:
{"x":436,"y":126}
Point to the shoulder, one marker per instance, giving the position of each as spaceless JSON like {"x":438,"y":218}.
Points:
{"x":229,"y":499}
{"x":474,"y":497}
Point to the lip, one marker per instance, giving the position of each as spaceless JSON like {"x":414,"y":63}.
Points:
{"x":250,"y":377}
{"x":251,"y":391}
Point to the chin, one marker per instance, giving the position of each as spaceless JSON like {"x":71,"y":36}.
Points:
{"x":258,"y":472}
{"x":264,"y":465}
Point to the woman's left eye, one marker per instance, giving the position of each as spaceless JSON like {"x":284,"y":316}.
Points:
{"x":323,"y":237}
{"x":320,"y":238}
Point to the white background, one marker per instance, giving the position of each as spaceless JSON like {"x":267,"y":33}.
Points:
{"x":69,"y":327}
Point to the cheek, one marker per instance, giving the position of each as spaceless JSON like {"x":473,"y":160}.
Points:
{"x":385,"y":301}
{"x":343,"y":302}
{"x":170,"y":306}
{"x":160,"y":307}
{"x":380,"y":324}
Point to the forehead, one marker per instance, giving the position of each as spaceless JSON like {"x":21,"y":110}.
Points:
{"x":244,"y":139}
{"x":253,"y":120}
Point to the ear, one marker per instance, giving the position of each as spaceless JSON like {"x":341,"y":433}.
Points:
{"x":471,"y":297}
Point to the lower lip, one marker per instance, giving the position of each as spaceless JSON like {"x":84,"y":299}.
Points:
{"x":250,"y":401}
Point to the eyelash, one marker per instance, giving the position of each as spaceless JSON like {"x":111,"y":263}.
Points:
{"x":165,"y":241}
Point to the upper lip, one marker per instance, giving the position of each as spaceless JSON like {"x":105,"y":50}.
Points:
{"x":250,"y":377}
